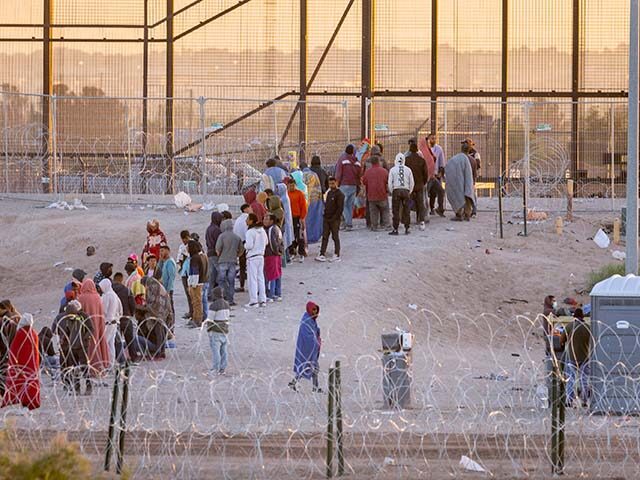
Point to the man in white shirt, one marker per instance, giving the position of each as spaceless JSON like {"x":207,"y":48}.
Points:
{"x":255,"y":244}
{"x":240,"y":229}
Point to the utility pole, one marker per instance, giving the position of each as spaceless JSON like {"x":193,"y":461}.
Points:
{"x":632,"y":146}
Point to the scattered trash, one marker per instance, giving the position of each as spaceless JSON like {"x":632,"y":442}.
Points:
{"x":388,"y":461}
{"x":618,"y":255}
{"x":413,"y":306}
{"x":62,"y":205}
{"x":223,"y":207}
{"x":601,"y":239}
{"x":160,"y":207}
{"x":470,"y":465}
{"x":487,"y":251}
{"x":276,"y":339}
{"x":102,"y":196}
{"x":515,"y":300}
{"x":181,"y":200}
{"x":193,"y":207}
{"x":534,"y":216}
{"x":208,"y":206}
{"x":542,"y":396}
{"x":68,"y":269}
{"x":91,"y":250}
{"x":57,"y":264}
{"x":450,"y":229}
{"x":493,"y":377}
{"x":515,"y":354}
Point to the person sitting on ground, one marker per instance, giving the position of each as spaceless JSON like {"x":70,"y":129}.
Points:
{"x":74,"y":330}
{"x":218,"y":330}
{"x":306,"y":360}
{"x":151,"y":334}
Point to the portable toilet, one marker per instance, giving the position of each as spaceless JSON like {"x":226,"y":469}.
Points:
{"x":615,"y":348}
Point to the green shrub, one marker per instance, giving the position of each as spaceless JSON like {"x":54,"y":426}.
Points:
{"x":604,"y":273}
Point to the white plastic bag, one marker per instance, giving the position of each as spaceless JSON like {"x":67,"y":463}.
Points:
{"x":181,"y":199}
{"x":618,"y":255}
{"x":601,"y":239}
{"x":470,"y":465}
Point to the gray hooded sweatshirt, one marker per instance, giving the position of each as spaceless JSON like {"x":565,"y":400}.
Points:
{"x":229,"y":245}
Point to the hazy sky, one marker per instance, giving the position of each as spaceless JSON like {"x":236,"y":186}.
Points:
{"x":464,"y":24}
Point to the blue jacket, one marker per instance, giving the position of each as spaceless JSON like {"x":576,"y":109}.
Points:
{"x":168,"y":274}
{"x":307,"y":348}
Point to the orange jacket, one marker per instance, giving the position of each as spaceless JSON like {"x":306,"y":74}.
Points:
{"x":298,"y":204}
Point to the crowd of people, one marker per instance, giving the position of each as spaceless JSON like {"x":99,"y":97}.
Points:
{"x":129,"y":315}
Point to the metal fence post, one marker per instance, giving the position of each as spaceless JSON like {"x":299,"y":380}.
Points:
{"x":127,"y":123}
{"x":612,"y":149}
{"x":203,"y":147}
{"x":338,"y":400}
{"x":526,"y":106}
{"x":112,"y":421}
{"x":275,"y":127}
{"x":54,"y":141}
{"x":123,"y":419}
{"x":5,"y":122}
{"x":330,"y":419}
{"x":345,"y":107}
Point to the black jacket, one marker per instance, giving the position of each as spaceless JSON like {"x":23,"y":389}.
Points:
{"x":334,"y":205}
{"x":418,"y":167}
{"x":212,"y":234}
{"x":126,"y":298}
{"x":322,"y":175}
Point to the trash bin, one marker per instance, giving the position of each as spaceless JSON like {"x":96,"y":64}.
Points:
{"x":396,"y":369}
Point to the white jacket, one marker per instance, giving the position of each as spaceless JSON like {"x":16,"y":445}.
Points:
{"x":240,"y":227}
{"x":110,"y":302}
{"x":255,"y":242}
{"x":400,"y":176}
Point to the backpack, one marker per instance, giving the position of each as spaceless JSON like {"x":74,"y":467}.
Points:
{"x":275,"y":241}
{"x":78,"y":332}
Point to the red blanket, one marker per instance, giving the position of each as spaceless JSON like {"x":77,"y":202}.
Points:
{"x":23,"y":374}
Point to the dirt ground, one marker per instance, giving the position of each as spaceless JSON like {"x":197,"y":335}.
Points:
{"x":470,"y":298}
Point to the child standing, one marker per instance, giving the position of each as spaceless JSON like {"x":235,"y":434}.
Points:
{"x":218,"y":329}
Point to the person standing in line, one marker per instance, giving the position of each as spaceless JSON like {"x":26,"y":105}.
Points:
{"x":375,"y":180}
{"x":474,"y":160}
{"x":577,"y":338}
{"x":435,"y":190}
{"x":152,"y":268}
{"x":299,"y":214}
{"x":306,"y":363}
{"x":273,"y":259}
{"x":460,"y":191}
{"x":240,"y":229}
{"x":72,"y":288}
{"x":93,"y":308}
{"x":74,"y":331}
{"x":155,"y":238}
{"x":228,"y":247}
{"x":183,"y":255}
{"x":168,"y":275}
{"x":400,"y":185}
{"x":106,"y":270}
{"x":418,"y":166}
{"x":316,"y":167}
{"x":23,"y":372}
{"x":348,"y":171}
{"x":197,"y":278}
{"x":333,"y":208}
{"x":218,"y":330}
{"x":112,"y":312}
{"x":211,"y":237}
{"x":255,"y":244}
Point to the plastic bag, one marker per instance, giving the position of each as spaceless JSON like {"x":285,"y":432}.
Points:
{"x":181,"y":200}
{"x":601,"y":239}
